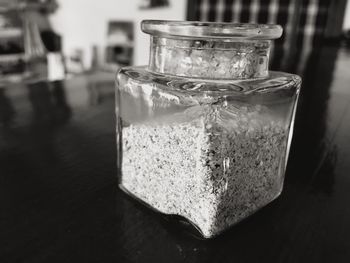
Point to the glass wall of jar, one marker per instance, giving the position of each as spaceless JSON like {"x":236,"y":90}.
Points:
{"x":204,"y":131}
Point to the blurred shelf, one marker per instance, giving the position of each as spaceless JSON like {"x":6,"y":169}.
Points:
{"x":11,"y":57}
{"x":10,"y":32}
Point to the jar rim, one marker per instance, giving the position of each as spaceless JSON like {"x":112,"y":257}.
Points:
{"x":214,"y":30}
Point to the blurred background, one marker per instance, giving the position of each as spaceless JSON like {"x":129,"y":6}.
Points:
{"x":72,"y":37}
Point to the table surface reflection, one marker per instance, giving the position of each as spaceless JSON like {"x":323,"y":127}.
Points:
{"x":59,"y":200}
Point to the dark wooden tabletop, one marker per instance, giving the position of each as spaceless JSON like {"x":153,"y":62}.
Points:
{"x":59,"y":200}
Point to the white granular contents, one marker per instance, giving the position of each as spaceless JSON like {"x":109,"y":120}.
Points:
{"x":209,"y":164}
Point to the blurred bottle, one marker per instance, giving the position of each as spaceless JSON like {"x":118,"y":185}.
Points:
{"x":42,"y":43}
{"x":35,"y":52}
{"x":95,"y":58}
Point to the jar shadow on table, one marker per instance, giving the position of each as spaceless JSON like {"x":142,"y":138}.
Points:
{"x":142,"y":230}
{"x":313,"y":150}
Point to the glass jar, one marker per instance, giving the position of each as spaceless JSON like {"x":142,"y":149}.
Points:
{"x":204,"y":131}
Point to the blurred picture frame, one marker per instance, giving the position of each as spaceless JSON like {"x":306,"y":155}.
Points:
{"x":120,"y":43}
{"x":149,"y":4}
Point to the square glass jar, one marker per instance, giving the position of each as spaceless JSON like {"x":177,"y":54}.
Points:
{"x":204,"y":131}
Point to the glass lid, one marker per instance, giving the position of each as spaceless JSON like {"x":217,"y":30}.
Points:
{"x":191,"y":29}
